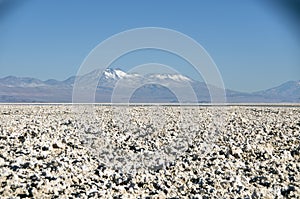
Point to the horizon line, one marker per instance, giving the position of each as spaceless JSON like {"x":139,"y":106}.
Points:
{"x":262,"y":104}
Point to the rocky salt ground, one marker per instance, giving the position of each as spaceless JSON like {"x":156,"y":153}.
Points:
{"x":253,"y":153}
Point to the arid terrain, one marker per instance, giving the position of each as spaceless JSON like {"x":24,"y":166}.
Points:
{"x":65,"y":151}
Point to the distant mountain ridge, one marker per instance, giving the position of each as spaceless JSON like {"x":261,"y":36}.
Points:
{"x":286,"y":92}
{"x":155,"y":88}
{"x":12,"y":81}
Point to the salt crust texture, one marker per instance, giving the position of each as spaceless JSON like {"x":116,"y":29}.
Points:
{"x":201,"y":152}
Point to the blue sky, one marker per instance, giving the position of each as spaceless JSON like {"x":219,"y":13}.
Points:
{"x":254,"y":45}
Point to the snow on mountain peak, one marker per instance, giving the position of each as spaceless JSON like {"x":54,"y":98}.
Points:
{"x":174,"y":77}
{"x":119,"y":74}
{"x":178,"y":77}
{"x":114,"y":74}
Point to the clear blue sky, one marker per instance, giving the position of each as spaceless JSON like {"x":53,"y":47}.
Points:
{"x":254,"y":45}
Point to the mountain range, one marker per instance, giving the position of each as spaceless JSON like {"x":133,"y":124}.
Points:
{"x":114,"y":84}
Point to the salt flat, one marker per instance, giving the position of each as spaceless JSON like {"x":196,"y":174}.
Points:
{"x":158,"y":151}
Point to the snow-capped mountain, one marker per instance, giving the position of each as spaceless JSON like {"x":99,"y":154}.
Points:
{"x":168,"y":77}
{"x":110,"y":77}
{"x":152,"y":87}
{"x":115,"y":74}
